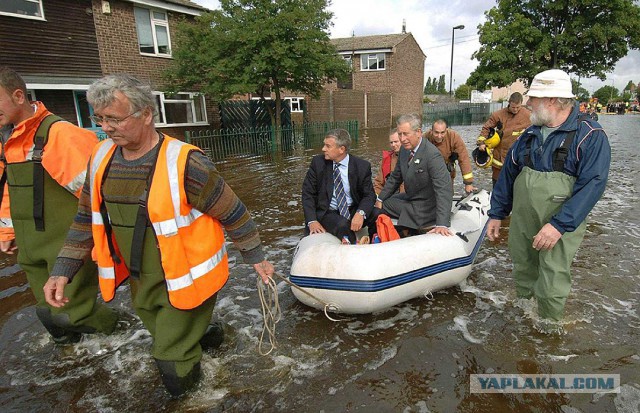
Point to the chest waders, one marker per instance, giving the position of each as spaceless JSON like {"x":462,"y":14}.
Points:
{"x":537,"y":197}
{"x":40,"y":240}
{"x":176,"y":333}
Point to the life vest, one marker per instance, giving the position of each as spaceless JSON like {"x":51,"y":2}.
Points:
{"x":385,"y":228}
{"x":192,"y":244}
{"x":386,"y":163}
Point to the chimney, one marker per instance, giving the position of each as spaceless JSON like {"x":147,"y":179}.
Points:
{"x":404,"y":26}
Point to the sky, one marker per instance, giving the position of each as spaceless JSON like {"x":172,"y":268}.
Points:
{"x":431,"y":23}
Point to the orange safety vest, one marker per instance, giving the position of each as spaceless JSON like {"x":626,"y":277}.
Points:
{"x":192,"y":244}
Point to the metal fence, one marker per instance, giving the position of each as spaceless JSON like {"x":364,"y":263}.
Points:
{"x":221,"y":143}
{"x":459,"y":113}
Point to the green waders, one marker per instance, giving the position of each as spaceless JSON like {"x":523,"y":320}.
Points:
{"x":37,"y":252}
{"x":537,"y":197}
{"x":176,"y":333}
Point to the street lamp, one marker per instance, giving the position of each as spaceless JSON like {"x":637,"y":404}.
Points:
{"x":453,"y":34}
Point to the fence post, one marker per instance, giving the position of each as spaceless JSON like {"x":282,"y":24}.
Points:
{"x":187,"y":136}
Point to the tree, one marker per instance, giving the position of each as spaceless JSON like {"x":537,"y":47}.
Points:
{"x":606,"y":94}
{"x":630,"y":86}
{"x":581,"y":93}
{"x":463,"y":92}
{"x":442,"y":89}
{"x":521,"y":38}
{"x":427,"y":86}
{"x":257,"y":45}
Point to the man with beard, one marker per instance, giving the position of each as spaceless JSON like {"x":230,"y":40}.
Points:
{"x":552,"y":177}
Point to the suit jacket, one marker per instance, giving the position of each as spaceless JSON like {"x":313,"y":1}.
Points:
{"x":427,"y":186}
{"x":317,"y":188}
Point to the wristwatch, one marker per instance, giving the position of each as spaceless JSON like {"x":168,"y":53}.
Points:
{"x":361,"y":212}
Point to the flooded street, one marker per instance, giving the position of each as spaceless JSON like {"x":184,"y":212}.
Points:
{"x":415,"y":357}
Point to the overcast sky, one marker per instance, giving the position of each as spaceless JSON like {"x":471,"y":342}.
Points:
{"x":431,"y":23}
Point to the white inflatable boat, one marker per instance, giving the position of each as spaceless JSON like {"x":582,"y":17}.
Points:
{"x":359,"y":279}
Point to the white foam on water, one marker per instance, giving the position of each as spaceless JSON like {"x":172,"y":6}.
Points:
{"x":420,"y":407}
{"x":402,"y":313}
{"x":560,"y":358}
{"x":461,"y":325}
{"x":385,"y":355}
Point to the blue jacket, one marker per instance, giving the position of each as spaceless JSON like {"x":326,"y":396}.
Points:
{"x":588,"y":160}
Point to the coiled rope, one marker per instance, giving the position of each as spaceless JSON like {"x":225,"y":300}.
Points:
{"x":271,"y":312}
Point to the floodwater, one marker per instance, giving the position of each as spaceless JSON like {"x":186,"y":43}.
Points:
{"x":415,"y":357}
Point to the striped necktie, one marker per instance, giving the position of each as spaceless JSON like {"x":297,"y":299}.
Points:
{"x":411,"y":156}
{"x":341,"y":197}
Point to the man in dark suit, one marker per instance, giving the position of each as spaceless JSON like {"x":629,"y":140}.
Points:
{"x":428,"y":190}
{"x":337,"y":193}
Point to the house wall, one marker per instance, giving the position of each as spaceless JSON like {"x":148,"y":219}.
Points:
{"x":62,"y":45}
{"x":406,"y":77}
{"x":372,"y":110}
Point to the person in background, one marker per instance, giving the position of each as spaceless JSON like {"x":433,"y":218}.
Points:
{"x":553,"y":176}
{"x":337,"y":193}
{"x":453,"y":150}
{"x":389,"y":161}
{"x":427,"y":183}
{"x":509,"y":123}
{"x":46,"y":160}
{"x":156,"y":209}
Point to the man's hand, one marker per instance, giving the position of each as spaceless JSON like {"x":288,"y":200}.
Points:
{"x":378,"y":204}
{"x":265,"y":270}
{"x":356,"y":222}
{"x":8,"y":247}
{"x":482,"y":147}
{"x":469,"y":188}
{"x":493,"y":229}
{"x":316,"y":228}
{"x":546,"y":238}
{"x":54,"y":291}
{"x":441,"y":230}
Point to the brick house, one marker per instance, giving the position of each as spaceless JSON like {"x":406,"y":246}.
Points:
{"x":387,"y":79}
{"x":61,"y":46}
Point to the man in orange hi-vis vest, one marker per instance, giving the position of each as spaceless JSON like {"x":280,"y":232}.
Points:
{"x":155,"y":209}
{"x":46,"y":160}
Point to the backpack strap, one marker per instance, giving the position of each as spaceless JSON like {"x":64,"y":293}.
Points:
{"x":561,"y":153}
{"x":39,"y":141}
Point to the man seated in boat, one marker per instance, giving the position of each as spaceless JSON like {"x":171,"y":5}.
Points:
{"x":389,"y":161}
{"x":429,"y":193}
{"x":337,"y":192}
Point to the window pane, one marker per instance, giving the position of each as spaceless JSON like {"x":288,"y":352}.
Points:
{"x":143,"y":25}
{"x":158,"y":116}
{"x":201,"y":110}
{"x":26,"y":8}
{"x":177,"y":96}
{"x":84,"y":111}
{"x":381,"y":61}
{"x":159,"y":16}
{"x":178,"y":112}
{"x":163,"y":39}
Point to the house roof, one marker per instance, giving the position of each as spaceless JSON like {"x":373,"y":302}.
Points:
{"x":381,"y":41}
{"x":187,"y":3}
{"x":181,"y":6}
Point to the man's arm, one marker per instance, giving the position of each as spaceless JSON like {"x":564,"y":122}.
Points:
{"x":441,"y":183}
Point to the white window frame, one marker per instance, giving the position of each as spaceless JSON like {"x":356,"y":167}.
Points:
{"x":154,"y":24}
{"x":369,"y":57}
{"x":26,"y":16}
{"x":298,"y":101}
{"x":165,"y":99}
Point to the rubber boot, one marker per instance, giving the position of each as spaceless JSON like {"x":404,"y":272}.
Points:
{"x":175,"y":385}
{"x":59,"y":334}
{"x":213,"y":337}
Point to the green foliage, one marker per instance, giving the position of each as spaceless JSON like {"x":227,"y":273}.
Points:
{"x":250,"y":46}
{"x":630,"y":86}
{"x":463,"y":92}
{"x":442,"y":88}
{"x":521,"y":38}
{"x":606,"y":94}
{"x":581,"y":93}
{"x":427,"y":86}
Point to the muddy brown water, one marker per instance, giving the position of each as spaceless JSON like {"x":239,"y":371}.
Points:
{"x":415,"y":357}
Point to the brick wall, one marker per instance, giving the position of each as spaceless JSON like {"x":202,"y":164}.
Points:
{"x":379,"y":110}
{"x":406,"y":77}
{"x":345,"y":104}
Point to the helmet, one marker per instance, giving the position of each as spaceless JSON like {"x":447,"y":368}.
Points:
{"x":482,"y":158}
{"x":493,"y":139}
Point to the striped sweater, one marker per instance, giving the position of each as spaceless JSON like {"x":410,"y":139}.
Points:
{"x":126,"y":181}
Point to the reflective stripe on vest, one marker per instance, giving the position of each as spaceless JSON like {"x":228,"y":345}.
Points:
{"x":197,"y":271}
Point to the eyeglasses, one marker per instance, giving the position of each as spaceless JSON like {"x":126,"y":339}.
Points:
{"x":113,"y":122}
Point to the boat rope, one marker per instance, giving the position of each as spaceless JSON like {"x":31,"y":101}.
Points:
{"x":327,"y":306}
{"x":271,"y":313}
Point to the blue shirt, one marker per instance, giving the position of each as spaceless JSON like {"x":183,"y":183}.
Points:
{"x":344,"y":174}
{"x":588,"y":160}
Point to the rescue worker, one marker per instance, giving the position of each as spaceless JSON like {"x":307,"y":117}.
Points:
{"x":44,"y":177}
{"x":389,"y":161}
{"x":554,"y":175}
{"x":453,"y":150}
{"x":508,"y":123}
{"x":155,"y":208}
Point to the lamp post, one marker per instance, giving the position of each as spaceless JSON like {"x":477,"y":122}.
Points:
{"x":453,"y":34}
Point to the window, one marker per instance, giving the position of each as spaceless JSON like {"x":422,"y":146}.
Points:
{"x":295,"y":104}
{"x":348,"y":61}
{"x":153,"y":32}
{"x":374,"y":61}
{"x":180,"y":109}
{"x":28,"y":9}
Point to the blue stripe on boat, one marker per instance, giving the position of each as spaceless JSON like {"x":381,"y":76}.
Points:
{"x":390,"y":282}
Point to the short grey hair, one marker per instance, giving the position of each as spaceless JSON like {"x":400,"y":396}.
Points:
{"x":341,"y":136}
{"x":102,"y":92}
{"x":564,"y":103}
{"x":412,"y":119}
